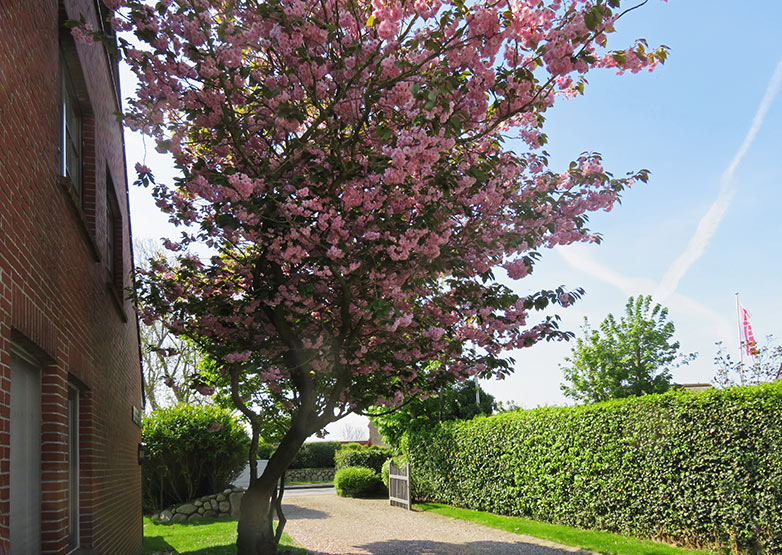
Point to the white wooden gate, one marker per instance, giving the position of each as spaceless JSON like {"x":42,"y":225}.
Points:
{"x":399,"y":485}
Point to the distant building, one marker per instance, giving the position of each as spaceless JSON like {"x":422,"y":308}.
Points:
{"x":697,"y":387}
{"x":70,"y":375}
{"x":374,"y":436}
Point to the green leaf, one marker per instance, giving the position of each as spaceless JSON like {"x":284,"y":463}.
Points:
{"x":593,"y":17}
{"x":619,"y":57}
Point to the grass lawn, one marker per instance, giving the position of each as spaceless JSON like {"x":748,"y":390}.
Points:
{"x":593,"y":540}
{"x":205,"y":537}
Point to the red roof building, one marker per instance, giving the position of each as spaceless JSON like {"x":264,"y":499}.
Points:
{"x":70,"y":376}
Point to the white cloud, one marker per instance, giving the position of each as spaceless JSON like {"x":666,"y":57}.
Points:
{"x":710,"y":221}
{"x":578,"y":256}
{"x":710,"y":323}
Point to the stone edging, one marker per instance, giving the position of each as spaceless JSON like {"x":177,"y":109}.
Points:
{"x":309,"y":475}
{"x":219,"y":505}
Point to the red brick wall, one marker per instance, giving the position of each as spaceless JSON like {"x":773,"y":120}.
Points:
{"x":54,"y":296}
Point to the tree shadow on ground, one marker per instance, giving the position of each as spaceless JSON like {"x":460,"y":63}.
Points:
{"x":156,"y":544}
{"x":161,"y":547}
{"x":426,"y":547}
{"x":295,"y":512}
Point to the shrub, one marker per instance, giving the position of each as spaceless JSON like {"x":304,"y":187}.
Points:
{"x":189,"y":455}
{"x":372,"y":457}
{"x":384,"y":472}
{"x":353,"y":445}
{"x":697,"y":468}
{"x":357,"y":481}
{"x":316,"y":454}
{"x":266,"y":450}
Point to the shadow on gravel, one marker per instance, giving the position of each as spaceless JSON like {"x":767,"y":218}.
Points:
{"x":293,"y":512}
{"x":423,"y":547}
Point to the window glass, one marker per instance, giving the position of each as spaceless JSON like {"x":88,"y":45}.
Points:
{"x":111,"y":226}
{"x":71,"y":125}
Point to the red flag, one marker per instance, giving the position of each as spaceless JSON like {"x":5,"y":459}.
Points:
{"x":749,"y":339}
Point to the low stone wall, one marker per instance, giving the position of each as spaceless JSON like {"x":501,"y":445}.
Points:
{"x":218,"y":505}
{"x":226,"y":504}
{"x":309,"y":475}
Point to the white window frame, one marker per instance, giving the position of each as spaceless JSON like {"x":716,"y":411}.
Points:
{"x":71,"y":125}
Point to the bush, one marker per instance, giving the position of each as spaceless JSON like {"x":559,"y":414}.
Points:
{"x":316,"y":454}
{"x":384,"y":472}
{"x":357,"y":481}
{"x":189,"y":455}
{"x":697,"y":468}
{"x":372,"y":457}
{"x":353,"y":445}
{"x":266,"y":450}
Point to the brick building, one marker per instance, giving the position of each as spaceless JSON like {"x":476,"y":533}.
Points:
{"x":70,"y":379}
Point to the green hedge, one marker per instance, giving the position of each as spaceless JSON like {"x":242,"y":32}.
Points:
{"x":371,"y":457}
{"x":191,"y":451}
{"x":357,"y":481}
{"x":703,"y":469}
{"x":315,"y":454}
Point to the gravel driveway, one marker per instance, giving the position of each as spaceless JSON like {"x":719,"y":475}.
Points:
{"x":331,"y":525}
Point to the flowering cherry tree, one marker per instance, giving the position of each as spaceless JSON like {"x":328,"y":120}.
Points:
{"x":346,"y":164}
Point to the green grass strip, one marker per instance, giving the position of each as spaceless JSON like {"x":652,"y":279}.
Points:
{"x":204,"y":537}
{"x":592,"y":540}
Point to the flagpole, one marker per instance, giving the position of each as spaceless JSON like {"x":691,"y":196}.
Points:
{"x":738,"y":321}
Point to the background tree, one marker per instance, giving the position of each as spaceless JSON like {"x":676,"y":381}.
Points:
{"x":352,"y":432}
{"x":461,"y":401}
{"x":764,"y":366}
{"x":169,"y":361}
{"x":345,"y":163}
{"x":632,"y":356}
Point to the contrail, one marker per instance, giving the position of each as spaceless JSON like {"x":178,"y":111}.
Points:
{"x":713,"y":217}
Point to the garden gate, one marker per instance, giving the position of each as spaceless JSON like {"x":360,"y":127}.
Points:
{"x":399,"y":485}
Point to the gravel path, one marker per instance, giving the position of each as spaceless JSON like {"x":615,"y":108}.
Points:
{"x":331,"y":525}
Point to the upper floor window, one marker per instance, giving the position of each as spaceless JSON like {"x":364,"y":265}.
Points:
{"x":113,"y":244}
{"x":71,"y":121}
{"x":111,"y":230}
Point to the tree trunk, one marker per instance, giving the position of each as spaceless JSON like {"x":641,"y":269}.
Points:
{"x":260,"y":503}
{"x":256,"y":530}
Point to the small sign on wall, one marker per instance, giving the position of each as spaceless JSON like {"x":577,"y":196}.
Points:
{"x":136,"y":416}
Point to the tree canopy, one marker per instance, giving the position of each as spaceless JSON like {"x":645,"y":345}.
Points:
{"x":346,"y":164}
{"x":765,"y":365}
{"x":461,"y":401}
{"x":624,"y":358}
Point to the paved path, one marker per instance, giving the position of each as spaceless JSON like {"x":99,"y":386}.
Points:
{"x":331,"y":525}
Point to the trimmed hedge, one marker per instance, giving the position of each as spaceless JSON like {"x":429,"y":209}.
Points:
{"x":191,"y":451}
{"x":370,"y":457}
{"x":357,"y":481}
{"x":315,"y":454}
{"x":703,"y":469}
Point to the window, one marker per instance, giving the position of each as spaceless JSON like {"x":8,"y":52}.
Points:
{"x":73,"y":468}
{"x":113,"y":240}
{"x":71,"y":122}
{"x":111,"y":227}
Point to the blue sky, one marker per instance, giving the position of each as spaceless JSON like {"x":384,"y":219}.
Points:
{"x":708,"y":124}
